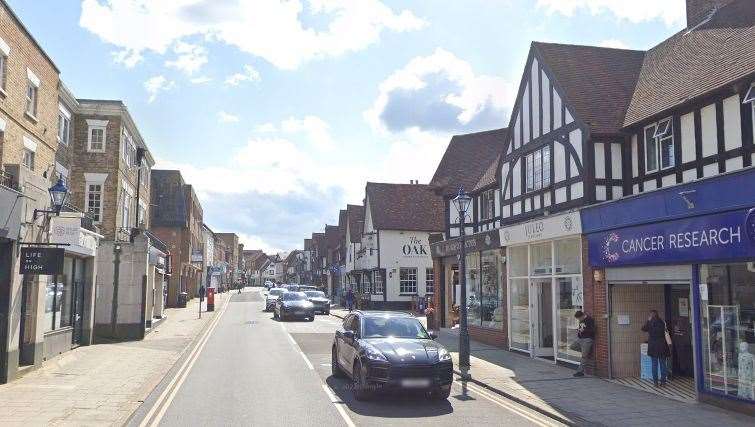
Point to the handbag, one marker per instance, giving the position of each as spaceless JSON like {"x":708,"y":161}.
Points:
{"x":576,"y":346}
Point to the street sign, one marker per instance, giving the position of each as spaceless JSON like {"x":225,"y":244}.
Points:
{"x":41,"y":260}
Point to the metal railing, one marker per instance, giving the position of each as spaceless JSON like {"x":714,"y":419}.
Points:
{"x":8,"y":180}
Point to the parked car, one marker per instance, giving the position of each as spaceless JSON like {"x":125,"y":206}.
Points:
{"x":271,"y":297}
{"x":293,"y":305}
{"x":381,"y":351}
{"x":292,"y":287}
{"x":305,"y":288}
{"x":319,"y":300}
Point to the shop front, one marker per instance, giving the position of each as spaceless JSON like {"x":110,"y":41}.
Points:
{"x":689,"y":253}
{"x":69,"y":297}
{"x":545,"y":286}
{"x":486,"y":278}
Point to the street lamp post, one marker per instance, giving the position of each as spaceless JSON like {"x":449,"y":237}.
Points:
{"x":461,"y":202}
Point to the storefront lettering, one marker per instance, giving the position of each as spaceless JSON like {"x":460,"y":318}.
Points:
{"x":415,"y":247}
{"x":534,"y":229}
{"x":690,"y":239}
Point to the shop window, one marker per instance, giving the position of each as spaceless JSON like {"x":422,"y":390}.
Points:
{"x":568,"y":256}
{"x":518,"y":261}
{"x":520,"y":314}
{"x":408,"y":281}
{"x":541,"y":259}
{"x":429,"y":281}
{"x":492,"y":309}
{"x":474,"y":294}
{"x":58,"y":298}
{"x":728,"y":329}
{"x":377,"y":283}
{"x":570,"y":300}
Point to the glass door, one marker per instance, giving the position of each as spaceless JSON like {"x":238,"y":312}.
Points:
{"x":541,"y":306}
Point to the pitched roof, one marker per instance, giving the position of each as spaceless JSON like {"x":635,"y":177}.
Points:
{"x":414,"y":207}
{"x":490,"y":175}
{"x":307,"y":244}
{"x":693,"y":63}
{"x":597,"y":82}
{"x":331,"y":236}
{"x":467,"y":158}
{"x":355,"y":214}
{"x":342,"y":219}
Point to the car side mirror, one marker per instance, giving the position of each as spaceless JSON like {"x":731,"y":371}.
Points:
{"x":434,"y":335}
{"x":349,"y":335}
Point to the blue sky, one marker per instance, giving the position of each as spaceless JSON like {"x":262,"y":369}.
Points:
{"x":279,"y":111}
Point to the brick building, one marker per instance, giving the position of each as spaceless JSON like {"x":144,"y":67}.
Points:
{"x":232,"y":255}
{"x":177,"y":221}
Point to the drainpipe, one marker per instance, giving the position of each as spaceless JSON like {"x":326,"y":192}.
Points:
{"x":116,"y":277}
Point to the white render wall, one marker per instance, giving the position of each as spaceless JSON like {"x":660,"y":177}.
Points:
{"x":392,"y":258}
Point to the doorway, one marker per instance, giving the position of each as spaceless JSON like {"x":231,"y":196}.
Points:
{"x":679,"y":320}
{"x":26,"y":336}
{"x":541,"y":317}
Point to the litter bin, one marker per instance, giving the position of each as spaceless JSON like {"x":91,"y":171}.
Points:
{"x":182,"y":298}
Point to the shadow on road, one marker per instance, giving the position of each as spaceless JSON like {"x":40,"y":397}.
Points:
{"x":389,"y":405}
{"x":245,"y":296}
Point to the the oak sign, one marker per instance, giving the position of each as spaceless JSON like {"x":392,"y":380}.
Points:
{"x":42,"y":260}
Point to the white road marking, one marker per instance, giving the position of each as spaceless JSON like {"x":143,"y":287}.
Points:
{"x":504,"y":404}
{"x":339,"y":406}
{"x":163,"y":402}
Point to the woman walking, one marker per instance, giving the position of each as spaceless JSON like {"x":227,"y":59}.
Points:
{"x":658,"y":349}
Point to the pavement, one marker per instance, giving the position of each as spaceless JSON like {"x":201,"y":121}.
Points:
{"x":102,"y":384}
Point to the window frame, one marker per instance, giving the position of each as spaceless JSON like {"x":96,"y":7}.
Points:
{"x":429,"y":281}
{"x":64,"y":126}
{"x":377,"y":285}
{"x":487,"y":204}
{"x":658,"y":141}
{"x":407,"y":284}
{"x":97,"y":125}
{"x":32,"y":99}
{"x":101,"y":207}
{"x":3,"y":71}
{"x":29,"y":159}
{"x":537,"y":175}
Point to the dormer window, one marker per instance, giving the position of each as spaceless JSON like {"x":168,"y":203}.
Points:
{"x":750,"y":96}
{"x":659,"y":146}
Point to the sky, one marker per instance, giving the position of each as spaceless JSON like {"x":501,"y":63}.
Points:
{"x":279,"y":111}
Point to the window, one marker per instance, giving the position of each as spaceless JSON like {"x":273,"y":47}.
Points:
{"x":429,"y":281}
{"x":142,"y":219}
{"x":97,"y":135}
{"x":94,"y":201}
{"x":538,"y":169}
{"x":125,"y":209}
{"x":659,"y":146}
{"x":29,"y":159}
{"x":408,"y":281}
{"x":129,"y":150}
{"x":750,"y":96}
{"x":3,"y":70}
{"x":64,"y":128}
{"x":487,"y":205}
{"x":32,"y":92}
{"x":377,"y":283}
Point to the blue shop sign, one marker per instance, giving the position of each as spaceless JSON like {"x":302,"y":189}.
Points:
{"x":729,"y":235}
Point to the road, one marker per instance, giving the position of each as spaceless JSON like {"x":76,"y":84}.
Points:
{"x":253,"y":370}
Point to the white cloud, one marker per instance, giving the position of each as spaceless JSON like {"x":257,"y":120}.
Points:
{"x":250,"y":74}
{"x":265,"y":128}
{"x":671,"y":12}
{"x":317,"y":130}
{"x":224,"y":117}
{"x":440,"y":92}
{"x":200,"y":80}
{"x":190,"y":57}
{"x":158,"y":84}
{"x":255,"y":242}
{"x":613,"y":43}
{"x":269,"y":29}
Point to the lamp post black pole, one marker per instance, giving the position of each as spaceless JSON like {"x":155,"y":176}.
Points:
{"x":463,"y":330}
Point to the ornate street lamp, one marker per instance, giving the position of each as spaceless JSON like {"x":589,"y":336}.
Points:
{"x":461,"y":203}
{"x":58,"y":196}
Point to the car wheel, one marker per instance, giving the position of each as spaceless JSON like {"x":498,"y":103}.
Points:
{"x":334,"y":366}
{"x":312,"y":318}
{"x":275,"y":315}
{"x":327,"y":313}
{"x":359,"y":383}
{"x":441,"y":393}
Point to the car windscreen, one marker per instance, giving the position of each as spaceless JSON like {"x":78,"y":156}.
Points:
{"x":294,"y":296}
{"x":276,"y":291}
{"x":395,"y":327}
{"x":315,"y":294}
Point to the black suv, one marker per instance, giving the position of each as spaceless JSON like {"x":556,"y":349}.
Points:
{"x":387,"y":350}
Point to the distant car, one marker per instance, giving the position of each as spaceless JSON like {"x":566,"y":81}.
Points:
{"x":305,"y":288}
{"x":319,"y":300}
{"x":293,"y":287}
{"x":380,"y":351}
{"x":271,"y":297}
{"x":293,"y":305}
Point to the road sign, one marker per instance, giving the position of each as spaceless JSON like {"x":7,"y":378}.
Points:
{"x":41,"y":260}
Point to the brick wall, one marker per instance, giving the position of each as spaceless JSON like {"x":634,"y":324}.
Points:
{"x":24,"y":53}
{"x":596,"y":306}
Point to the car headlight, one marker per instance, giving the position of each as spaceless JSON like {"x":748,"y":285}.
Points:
{"x":443,"y":354}
{"x":374,"y":354}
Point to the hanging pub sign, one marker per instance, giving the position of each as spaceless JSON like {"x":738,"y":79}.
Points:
{"x":43,"y":261}
{"x":729,"y":235}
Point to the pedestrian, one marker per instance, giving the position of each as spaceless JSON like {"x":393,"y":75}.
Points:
{"x":201,"y":292}
{"x":350,"y":299}
{"x":658,"y":349}
{"x":585,"y":340}
{"x":240,"y":287}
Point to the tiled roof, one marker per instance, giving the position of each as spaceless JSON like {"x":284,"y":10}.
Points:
{"x":414,"y":207}
{"x":331,"y":236}
{"x":318,"y":239}
{"x":355,"y":215}
{"x":466,"y":160}
{"x":691,"y":64}
{"x":342,"y":219}
{"x":597,"y":82}
{"x":490,"y":176}
{"x":307,"y":244}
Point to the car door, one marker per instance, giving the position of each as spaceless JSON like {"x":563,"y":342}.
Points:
{"x":345,"y":345}
{"x":350,"y":349}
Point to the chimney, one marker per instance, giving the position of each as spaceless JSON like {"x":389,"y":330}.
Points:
{"x":699,"y":10}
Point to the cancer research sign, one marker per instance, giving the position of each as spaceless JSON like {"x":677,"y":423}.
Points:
{"x":728,"y":235}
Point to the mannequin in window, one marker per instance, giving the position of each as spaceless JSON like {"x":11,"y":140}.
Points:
{"x":746,"y":372}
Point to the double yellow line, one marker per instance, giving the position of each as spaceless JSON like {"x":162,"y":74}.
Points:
{"x":156,"y":413}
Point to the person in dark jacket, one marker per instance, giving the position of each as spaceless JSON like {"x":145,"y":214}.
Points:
{"x":585,"y":340}
{"x":350,"y":299}
{"x":658,"y":349}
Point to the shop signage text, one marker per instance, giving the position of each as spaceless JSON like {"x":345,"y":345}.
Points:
{"x":722,"y":236}
{"x":551,"y":227}
{"x":474,"y":243}
{"x":47,"y":261}
{"x":414,"y":247}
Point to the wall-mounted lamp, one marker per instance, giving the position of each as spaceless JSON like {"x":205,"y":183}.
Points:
{"x":58,"y":196}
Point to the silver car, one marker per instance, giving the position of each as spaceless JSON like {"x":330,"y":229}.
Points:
{"x":319,"y":300}
{"x":272,"y":297}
